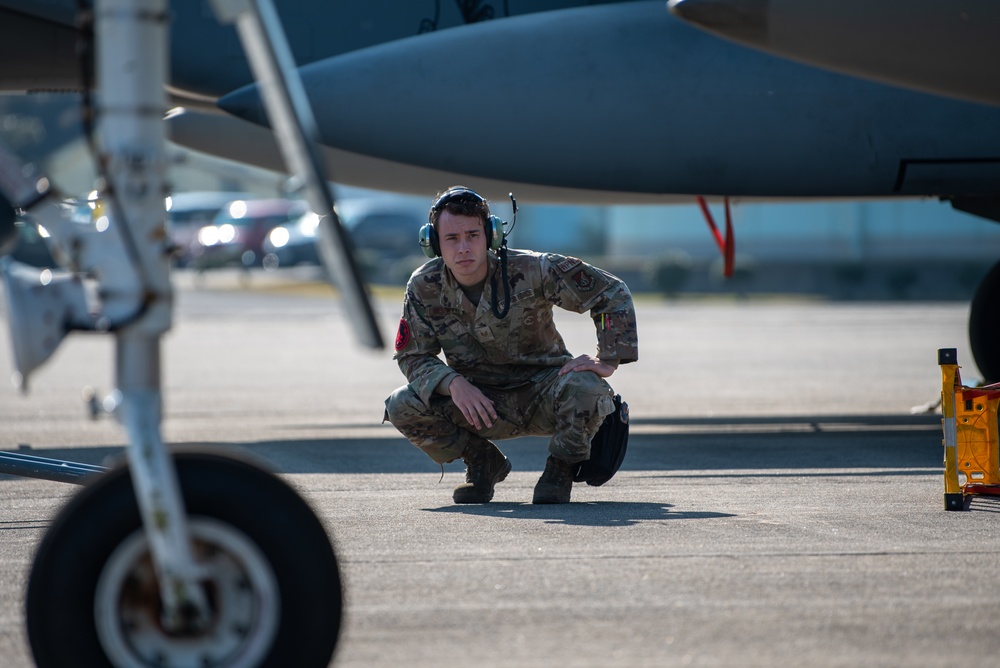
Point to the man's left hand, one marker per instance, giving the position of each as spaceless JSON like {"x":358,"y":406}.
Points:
{"x":589,"y":363}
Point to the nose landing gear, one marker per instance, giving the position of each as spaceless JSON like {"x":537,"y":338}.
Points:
{"x":267,"y":567}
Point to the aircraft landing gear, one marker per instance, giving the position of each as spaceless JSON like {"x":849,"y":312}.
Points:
{"x":197,"y":559}
{"x":270,"y":576}
{"x":984,"y":324}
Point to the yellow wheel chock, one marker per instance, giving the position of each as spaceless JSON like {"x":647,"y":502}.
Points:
{"x":971,"y":462}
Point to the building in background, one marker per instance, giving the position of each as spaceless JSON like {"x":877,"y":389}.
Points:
{"x":850,"y":249}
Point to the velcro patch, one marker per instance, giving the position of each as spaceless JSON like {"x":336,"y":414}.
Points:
{"x":567,"y":263}
{"x":402,"y":334}
{"x":522,"y":295}
{"x":584,"y":280}
{"x":483,"y":332}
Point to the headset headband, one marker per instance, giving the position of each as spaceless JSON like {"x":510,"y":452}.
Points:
{"x":457,"y":193}
{"x":428,"y":237}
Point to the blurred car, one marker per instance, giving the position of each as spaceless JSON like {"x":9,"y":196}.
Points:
{"x":292,"y":243}
{"x":384,"y":238}
{"x":189,"y":212}
{"x":237,"y":233}
{"x":386,"y":234}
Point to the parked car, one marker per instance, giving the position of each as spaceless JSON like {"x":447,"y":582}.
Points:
{"x":384,"y":239}
{"x":237,"y":233}
{"x":292,"y":243}
{"x":187,"y":213}
{"x":386,"y":234}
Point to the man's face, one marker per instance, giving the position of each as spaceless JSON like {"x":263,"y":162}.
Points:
{"x":463,"y":247}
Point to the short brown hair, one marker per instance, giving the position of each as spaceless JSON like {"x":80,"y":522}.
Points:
{"x":459,"y":201}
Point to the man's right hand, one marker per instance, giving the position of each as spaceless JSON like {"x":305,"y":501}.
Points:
{"x":475,"y":406}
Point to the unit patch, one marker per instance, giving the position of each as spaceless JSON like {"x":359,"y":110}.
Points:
{"x":402,"y":334}
{"x":584,"y":280}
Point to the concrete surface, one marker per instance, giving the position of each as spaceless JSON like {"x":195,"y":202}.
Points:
{"x":780,"y":505}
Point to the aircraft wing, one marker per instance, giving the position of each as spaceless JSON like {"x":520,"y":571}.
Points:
{"x":627,"y":98}
{"x":937,"y":46}
{"x":561,"y":101}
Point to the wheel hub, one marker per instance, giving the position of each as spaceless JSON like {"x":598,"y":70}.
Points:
{"x":240,"y":587}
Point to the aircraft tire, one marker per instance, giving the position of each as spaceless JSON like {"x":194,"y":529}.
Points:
{"x":273,"y":584}
{"x":984,"y":325}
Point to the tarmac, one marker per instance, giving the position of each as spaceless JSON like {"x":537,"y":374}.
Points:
{"x":780,"y":504}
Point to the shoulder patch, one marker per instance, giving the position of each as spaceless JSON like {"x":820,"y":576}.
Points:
{"x":567,"y":263}
{"x":584,"y":280}
{"x":402,"y":334}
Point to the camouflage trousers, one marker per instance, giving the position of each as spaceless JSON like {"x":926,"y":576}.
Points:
{"x":569,"y":408}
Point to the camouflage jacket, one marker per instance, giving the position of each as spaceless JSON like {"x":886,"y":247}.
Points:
{"x":507,"y":353}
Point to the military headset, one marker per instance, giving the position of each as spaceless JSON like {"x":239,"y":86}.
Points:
{"x":496,"y":237}
{"x":428,"y":236}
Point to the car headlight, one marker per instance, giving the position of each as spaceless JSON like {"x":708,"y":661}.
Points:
{"x":226,"y":233}
{"x":208,"y":235}
{"x":309,"y":224}
{"x":278,"y":237}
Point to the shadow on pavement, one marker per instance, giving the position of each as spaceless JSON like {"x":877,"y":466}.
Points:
{"x":587,"y":513}
{"x":894,"y":445}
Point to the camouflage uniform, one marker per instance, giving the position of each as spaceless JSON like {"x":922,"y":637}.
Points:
{"x":514,"y":361}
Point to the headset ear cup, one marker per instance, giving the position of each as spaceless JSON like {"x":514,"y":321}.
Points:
{"x":429,"y":241}
{"x":494,"y":229}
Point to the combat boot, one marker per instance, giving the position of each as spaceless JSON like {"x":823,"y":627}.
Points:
{"x":485,"y":467}
{"x":556,"y":482}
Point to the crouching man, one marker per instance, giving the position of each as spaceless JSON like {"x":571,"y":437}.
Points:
{"x":507,"y":372}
